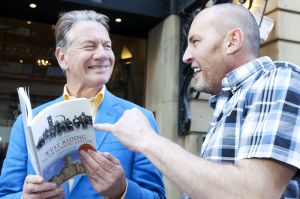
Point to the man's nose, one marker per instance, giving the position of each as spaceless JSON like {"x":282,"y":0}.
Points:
{"x":187,"y":57}
{"x":100,"y":53}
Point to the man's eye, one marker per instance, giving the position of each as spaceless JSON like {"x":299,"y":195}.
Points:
{"x":107,"y":45}
{"x":89,"y":46}
{"x":195,"y":42}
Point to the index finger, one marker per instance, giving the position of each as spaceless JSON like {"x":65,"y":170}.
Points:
{"x":111,"y":158}
{"x":95,"y":161}
{"x":35,"y":183}
{"x":104,"y":127}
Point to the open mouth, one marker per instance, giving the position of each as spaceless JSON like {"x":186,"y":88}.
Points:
{"x":97,"y":67}
{"x":197,"y":70}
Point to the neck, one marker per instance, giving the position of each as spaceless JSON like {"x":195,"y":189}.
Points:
{"x":83,"y":92}
{"x":241,"y":59}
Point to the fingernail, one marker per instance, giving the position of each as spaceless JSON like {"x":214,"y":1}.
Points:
{"x":82,"y":152}
{"x":90,"y":151}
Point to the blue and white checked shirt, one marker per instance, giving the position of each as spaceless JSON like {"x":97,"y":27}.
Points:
{"x":257,"y":115}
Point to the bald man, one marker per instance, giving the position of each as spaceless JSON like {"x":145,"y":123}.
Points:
{"x":252,"y":146}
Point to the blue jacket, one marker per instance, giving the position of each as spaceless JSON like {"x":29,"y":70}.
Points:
{"x":144,"y":180}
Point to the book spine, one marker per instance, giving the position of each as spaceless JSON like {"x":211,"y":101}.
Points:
{"x":33,"y":152}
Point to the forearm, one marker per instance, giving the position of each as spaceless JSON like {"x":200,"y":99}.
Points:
{"x":253,"y":177}
{"x":199,"y":177}
{"x":174,"y":162}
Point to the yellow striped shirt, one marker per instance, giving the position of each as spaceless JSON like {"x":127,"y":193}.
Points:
{"x":95,"y":101}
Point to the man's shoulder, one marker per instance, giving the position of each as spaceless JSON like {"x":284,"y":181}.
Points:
{"x":286,"y":64}
{"x":277,"y":69}
{"x":122,"y":105}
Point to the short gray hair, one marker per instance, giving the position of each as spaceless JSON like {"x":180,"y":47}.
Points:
{"x":66,"y":21}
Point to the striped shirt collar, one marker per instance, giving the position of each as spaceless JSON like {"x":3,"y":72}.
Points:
{"x":236,"y":78}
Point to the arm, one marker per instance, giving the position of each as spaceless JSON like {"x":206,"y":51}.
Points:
{"x":199,"y":177}
{"x":143,"y":178}
{"x":15,"y":166}
{"x":107,"y":177}
{"x":196,"y":176}
{"x":15,"y":181}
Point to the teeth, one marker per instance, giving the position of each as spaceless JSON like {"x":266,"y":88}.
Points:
{"x":197,"y":70}
{"x":96,"y":67}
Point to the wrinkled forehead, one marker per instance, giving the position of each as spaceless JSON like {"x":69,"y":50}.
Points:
{"x":84,"y":29}
{"x":84,"y":25}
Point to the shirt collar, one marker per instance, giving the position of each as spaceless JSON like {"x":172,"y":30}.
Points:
{"x":236,"y":78}
{"x":98,"y":98}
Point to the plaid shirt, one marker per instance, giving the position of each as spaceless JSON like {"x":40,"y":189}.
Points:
{"x":257,"y":115}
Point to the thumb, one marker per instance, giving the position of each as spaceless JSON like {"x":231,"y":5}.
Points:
{"x":104,"y":127}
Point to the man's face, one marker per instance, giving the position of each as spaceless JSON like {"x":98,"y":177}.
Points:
{"x":89,"y":59}
{"x":205,"y":54}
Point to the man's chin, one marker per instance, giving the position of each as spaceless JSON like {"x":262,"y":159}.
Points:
{"x":198,"y":88}
{"x":100,"y":81}
{"x":201,"y":89}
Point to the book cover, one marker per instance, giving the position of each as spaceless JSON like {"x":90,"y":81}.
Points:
{"x":54,"y":136}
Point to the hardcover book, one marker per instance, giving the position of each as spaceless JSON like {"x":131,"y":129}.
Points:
{"x":54,"y":136}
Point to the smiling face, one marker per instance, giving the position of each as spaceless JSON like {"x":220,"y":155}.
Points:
{"x":205,"y":54}
{"x":88,"y":60}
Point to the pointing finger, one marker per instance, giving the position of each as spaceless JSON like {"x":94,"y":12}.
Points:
{"x":104,"y":127}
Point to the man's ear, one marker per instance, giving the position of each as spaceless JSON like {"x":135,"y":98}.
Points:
{"x":61,"y":58}
{"x":234,"y":41}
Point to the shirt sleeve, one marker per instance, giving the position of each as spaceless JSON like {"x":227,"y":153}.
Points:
{"x":271,"y":123}
{"x":15,"y":166}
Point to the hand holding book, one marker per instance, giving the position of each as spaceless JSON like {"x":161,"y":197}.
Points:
{"x":54,"y":136}
{"x":35,"y":187}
